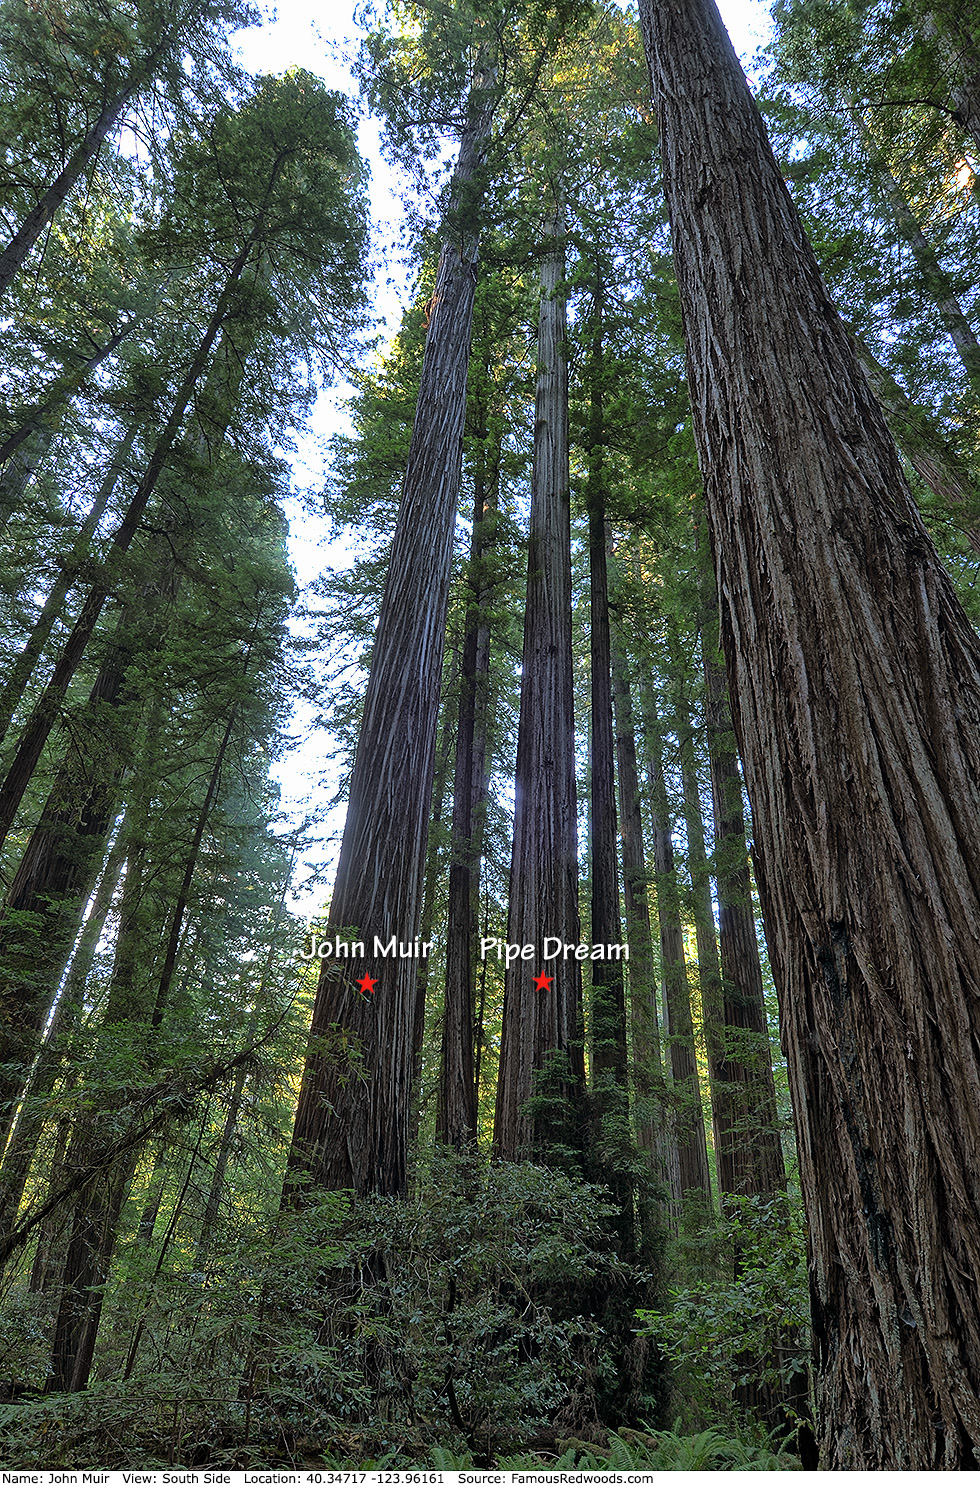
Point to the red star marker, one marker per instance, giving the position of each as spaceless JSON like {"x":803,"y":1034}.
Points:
{"x":367,"y":985}
{"x":543,"y":982}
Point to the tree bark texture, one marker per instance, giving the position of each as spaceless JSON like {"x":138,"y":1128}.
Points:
{"x":650,"y":1091}
{"x":543,"y":1026}
{"x":456,"y":1120}
{"x":693,"y":1173}
{"x":608,"y":1039}
{"x":751,"y":1163}
{"x":352,"y":1132}
{"x":855,"y":683}
{"x":924,"y":444}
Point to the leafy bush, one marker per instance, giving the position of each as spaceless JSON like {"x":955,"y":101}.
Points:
{"x":467,"y":1317}
{"x":744,"y":1325}
{"x":482,"y":1318}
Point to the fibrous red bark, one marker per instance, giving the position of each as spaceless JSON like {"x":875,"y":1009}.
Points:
{"x":354,"y":1113}
{"x":855,"y":682}
{"x":543,"y":1025}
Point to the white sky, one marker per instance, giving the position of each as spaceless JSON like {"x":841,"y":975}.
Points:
{"x":317,"y":36}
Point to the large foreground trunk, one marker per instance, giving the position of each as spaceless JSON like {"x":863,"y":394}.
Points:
{"x":855,"y":680}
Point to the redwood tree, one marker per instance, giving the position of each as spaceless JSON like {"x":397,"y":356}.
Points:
{"x":352,"y":1122}
{"x":855,"y":681}
{"x":542,"y":1001}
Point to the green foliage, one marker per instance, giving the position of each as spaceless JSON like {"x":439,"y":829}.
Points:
{"x":663,"y":1450}
{"x":367,"y":1330}
{"x":480,"y":1324}
{"x":739,"y":1315}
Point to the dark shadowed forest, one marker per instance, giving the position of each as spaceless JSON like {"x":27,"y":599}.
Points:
{"x":620,"y":1105}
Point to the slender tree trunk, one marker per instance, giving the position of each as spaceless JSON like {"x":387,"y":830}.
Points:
{"x":43,"y":716}
{"x":352,"y":1132}
{"x":751,"y":1163}
{"x":25,"y":664}
{"x":612,"y":1152}
{"x":24,"y":1138}
{"x":542,"y":1020}
{"x":855,"y":684}
{"x":35,"y":423}
{"x":609,"y":1054}
{"x":748,"y":1152}
{"x":430,"y":896}
{"x":693,"y":1172}
{"x":15,"y":253}
{"x":925,"y":446}
{"x":45,"y":901}
{"x":456,"y":1120}
{"x":99,"y":1203}
{"x":726,"y":1137}
{"x":651,"y":1104}
{"x":934,"y":277}
{"x":184,"y":891}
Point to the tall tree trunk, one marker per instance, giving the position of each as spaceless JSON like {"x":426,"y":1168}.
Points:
{"x":99,"y":1203}
{"x":934,"y":277}
{"x":726,"y":1137}
{"x":653,"y":1136}
{"x":430,"y":897}
{"x":609,"y":1053}
{"x":23,"y":667}
{"x":41,"y":914}
{"x":179,"y":909}
{"x":748,"y":1151}
{"x":44,"y":714}
{"x":751,"y":1164}
{"x":15,"y":253}
{"x":351,"y":1131}
{"x":855,"y":684}
{"x":924,"y":444}
{"x":613,"y":1153}
{"x":693,"y":1173}
{"x":24,"y":1137}
{"x":456,"y":1120}
{"x":542,"y":1001}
